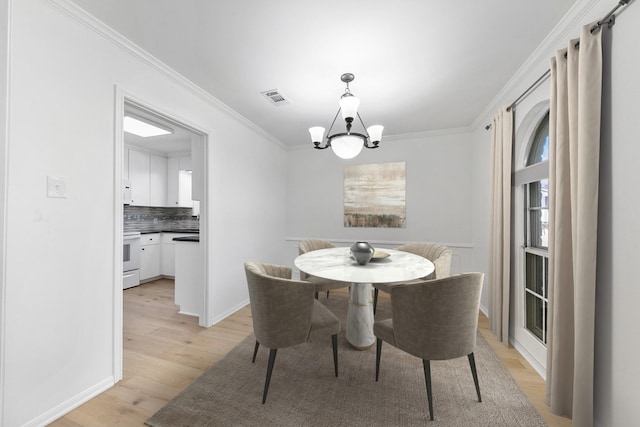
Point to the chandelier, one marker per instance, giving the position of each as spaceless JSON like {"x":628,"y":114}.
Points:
{"x":347,"y":145}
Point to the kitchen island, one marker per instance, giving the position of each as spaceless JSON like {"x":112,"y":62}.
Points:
{"x":189,"y":276}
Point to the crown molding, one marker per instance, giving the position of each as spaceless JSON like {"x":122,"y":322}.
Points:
{"x":79,"y":15}
{"x":538,"y":62}
{"x":428,"y":134}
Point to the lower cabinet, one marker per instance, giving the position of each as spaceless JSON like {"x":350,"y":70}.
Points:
{"x":167,"y":255}
{"x":149,"y":256}
{"x":157,"y":255}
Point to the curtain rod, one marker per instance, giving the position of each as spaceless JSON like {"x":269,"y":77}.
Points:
{"x":609,"y":18}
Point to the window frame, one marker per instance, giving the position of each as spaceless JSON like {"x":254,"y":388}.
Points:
{"x":535,"y":154}
{"x":524,"y":340}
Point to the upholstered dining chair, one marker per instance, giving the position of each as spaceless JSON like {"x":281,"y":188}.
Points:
{"x":439,"y":255}
{"x":285,"y":313}
{"x":434,"y":320}
{"x":321,"y":284}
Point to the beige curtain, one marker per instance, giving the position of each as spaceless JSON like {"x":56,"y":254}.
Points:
{"x":574,"y":131}
{"x":500,"y":238}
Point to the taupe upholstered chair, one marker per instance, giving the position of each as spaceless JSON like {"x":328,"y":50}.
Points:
{"x":434,"y":320}
{"x":321,"y":284}
{"x":439,"y":255}
{"x":285,"y":313}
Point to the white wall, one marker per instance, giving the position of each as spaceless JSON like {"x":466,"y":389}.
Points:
{"x":59,"y":280}
{"x":617,"y":373}
{"x":438,"y":194}
{"x":4,"y":35}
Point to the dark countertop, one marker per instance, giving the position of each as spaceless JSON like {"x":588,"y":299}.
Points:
{"x":185,"y":231}
{"x":188,"y":239}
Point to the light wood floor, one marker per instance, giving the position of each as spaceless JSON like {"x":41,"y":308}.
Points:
{"x":165,"y":351}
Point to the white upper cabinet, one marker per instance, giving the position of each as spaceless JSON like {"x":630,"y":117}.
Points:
{"x":148,"y":179}
{"x":157,"y":180}
{"x":139,"y":177}
{"x":179,"y":182}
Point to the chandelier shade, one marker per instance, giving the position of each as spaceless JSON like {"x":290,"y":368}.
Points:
{"x":347,"y":145}
{"x":375,"y":133}
{"x":317,"y":133}
{"x":349,"y":107}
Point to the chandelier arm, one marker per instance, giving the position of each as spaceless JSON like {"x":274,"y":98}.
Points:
{"x":327,"y":143}
{"x":363,"y":126}
{"x":366,"y":144}
{"x":367,"y":138}
{"x":329,"y":136}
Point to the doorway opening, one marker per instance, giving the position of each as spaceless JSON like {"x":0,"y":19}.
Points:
{"x":163,"y":188}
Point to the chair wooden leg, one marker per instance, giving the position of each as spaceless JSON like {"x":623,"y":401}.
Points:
{"x":375,"y":299}
{"x":472,"y":363}
{"x":427,"y":378}
{"x":255,"y":352}
{"x":272,"y":359}
{"x":334,"y":343}
{"x":327,"y":294}
{"x":378,"y":352}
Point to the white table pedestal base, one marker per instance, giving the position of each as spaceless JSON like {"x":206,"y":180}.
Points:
{"x":359,"y":327}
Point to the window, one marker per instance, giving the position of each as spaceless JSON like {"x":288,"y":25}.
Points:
{"x":536,"y":238}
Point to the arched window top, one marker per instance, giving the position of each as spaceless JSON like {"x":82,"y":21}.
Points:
{"x":539,"y":151}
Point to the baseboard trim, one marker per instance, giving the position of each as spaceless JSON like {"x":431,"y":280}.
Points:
{"x":71,"y":404}
{"x":541,"y":370}
{"x":227,"y":313}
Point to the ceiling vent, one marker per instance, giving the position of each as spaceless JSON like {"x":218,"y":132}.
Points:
{"x":275,"y":97}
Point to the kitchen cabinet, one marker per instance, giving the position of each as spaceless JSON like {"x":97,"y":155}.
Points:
{"x":167,"y":253}
{"x":157,"y":180}
{"x":148,"y":178}
{"x":179,"y":182}
{"x":139,"y":177}
{"x":149,"y":256}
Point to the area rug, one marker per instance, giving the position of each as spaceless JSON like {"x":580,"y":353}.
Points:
{"x":305,"y":392}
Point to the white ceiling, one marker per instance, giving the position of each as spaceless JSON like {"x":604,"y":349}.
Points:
{"x":420,"y":65}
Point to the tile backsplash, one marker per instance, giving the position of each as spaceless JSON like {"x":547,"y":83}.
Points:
{"x":143,"y":218}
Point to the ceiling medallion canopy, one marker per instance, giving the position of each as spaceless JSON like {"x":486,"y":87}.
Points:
{"x":347,"y":145}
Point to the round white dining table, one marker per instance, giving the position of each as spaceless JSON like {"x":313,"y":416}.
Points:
{"x":338,"y":264}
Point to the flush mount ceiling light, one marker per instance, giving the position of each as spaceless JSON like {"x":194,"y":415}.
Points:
{"x":144,"y":128}
{"x":347,"y":145}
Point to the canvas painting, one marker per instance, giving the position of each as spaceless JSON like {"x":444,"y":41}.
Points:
{"x":374,"y":195}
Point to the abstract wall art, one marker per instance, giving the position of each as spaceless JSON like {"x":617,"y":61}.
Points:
{"x":375,"y":195}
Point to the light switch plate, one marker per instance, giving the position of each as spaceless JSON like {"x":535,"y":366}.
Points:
{"x":56,"y":187}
